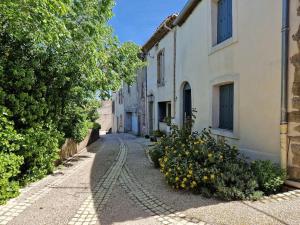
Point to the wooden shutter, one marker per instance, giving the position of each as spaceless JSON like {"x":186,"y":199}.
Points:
{"x":224,"y":25}
{"x":226,"y":107}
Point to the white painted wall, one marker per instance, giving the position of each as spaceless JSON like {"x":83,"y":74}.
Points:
{"x":160,"y":93}
{"x":252,"y":59}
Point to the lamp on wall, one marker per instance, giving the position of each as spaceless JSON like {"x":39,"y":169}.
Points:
{"x":151,"y":98}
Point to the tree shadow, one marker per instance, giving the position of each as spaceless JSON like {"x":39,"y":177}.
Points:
{"x":120,"y":207}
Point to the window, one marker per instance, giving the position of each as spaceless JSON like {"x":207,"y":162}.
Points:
{"x":169,"y":109}
{"x":164,"y":111}
{"x":224,"y":20}
{"x":128,"y":89}
{"x":120,"y":97}
{"x":113,"y":107}
{"x":226,"y":107}
{"x":161,"y":68}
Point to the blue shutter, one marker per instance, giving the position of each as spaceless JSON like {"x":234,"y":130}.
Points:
{"x":224,"y":26}
{"x":226,"y":107}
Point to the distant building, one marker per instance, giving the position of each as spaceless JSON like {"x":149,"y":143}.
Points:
{"x":105,"y":119}
{"x":129,"y":106}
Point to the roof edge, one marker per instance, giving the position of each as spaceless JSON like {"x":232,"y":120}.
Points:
{"x":186,"y":12}
{"x":162,"y":30}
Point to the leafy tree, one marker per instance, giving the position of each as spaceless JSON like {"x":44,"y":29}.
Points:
{"x":57,"y":57}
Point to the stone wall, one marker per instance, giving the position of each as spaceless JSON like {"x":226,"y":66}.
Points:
{"x":70,"y":147}
{"x":294,"y":112}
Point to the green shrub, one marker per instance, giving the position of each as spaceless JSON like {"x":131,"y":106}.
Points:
{"x":155,"y":154}
{"x":9,"y":161}
{"x":9,"y":169}
{"x":270,"y":177}
{"x":237,"y":182}
{"x":96,"y":126}
{"x":40,"y":151}
{"x":158,"y":133}
{"x":200,"y":163}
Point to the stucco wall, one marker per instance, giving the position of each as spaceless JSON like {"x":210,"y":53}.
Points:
{"x":161,"y":93}
{"x":105,"y":113}
{"x":118,"y":114}
{"x":252,"y":60}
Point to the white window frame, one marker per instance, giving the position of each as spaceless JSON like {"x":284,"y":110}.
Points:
{"x":213,"y":26}
{"x":215,"y":105}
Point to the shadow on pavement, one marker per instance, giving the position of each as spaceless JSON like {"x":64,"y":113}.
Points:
{"x":121,"y":209}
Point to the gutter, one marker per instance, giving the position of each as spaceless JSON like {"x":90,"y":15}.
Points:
{"x":186,"y":12}
{"x":284,"y":83}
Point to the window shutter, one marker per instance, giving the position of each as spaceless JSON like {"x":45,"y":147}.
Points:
{"x":226,"y":107}
{"x":224,"y":25}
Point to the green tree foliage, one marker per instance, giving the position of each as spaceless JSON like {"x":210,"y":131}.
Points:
{"x":9,"y":161}
{"x":56,"y":58}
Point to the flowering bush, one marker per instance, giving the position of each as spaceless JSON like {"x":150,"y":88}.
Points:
{"x":199,"y":163}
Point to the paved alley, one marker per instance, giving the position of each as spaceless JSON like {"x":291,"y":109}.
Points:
{"x":113,"y":182}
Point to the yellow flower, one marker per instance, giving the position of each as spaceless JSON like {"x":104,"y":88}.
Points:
{"x":189,"y":175}
{"x":182,"y":185}
{"x":187,"y":153}
{"x":190,"y":171}
{"x":167,"y":174}
{"x":212,"y":176}
{"x":209,"y":155}
{"x":205,"y":178}
{"x":185,"y":179}
{"x":177,"y":179}
{"x":193,"y":184}
{"x":165,"y":159}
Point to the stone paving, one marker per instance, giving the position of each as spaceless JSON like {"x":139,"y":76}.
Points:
{"x":15,"y":206}
{"x":129,"y":173}
{"x":92,"y":206}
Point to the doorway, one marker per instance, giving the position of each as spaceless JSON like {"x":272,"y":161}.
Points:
{"x":187,"y":103}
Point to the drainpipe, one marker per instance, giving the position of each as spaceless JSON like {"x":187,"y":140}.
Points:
{"x":174,"y":67}
{"x":174,"y":72}
{"x":284,"y":83}
{"x":146,"y":99}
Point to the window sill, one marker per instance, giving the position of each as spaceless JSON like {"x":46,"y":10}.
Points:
{"x":220,"y":46}
{"x":160,"y":85}
{"x":225,"y":133}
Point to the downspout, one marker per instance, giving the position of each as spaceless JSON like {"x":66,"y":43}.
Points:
{"x":174,"y":69}
{"x":174,"y":72}
{"x":146,"y":98}
{"x":284,"y":83}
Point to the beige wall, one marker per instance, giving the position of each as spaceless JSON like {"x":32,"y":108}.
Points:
{"x":118,"y":115}
{"x":163,"y":93}
{"x":252,"y":60}
{"x":105,"y":113}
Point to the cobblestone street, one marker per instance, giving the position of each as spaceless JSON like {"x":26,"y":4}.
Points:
{"x":113,"y":182}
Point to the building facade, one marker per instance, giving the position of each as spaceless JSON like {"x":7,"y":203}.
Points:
{"x":236,"y":63}
{"x":160,"y":75}
{"x":118,"y":111}
{"x":129,"y":108}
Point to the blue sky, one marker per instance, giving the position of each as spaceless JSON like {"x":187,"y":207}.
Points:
{"x":136,"y":20}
